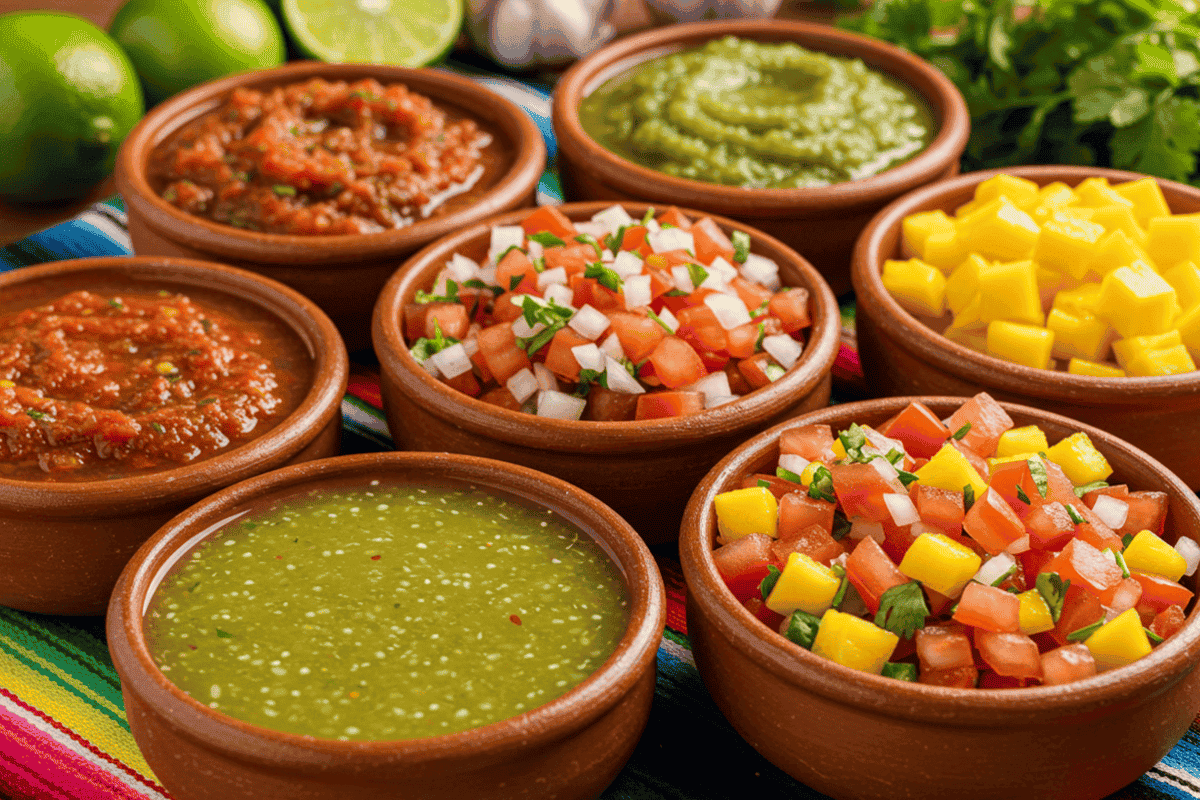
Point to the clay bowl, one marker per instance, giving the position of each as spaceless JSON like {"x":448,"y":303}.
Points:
{"x":572,"y":747}
{"x":342,"y":274}
{"x":854,"y":735}
{"x":645,"y":470}
{"x":822,"y":223}
{"x":901,"y":355}
{"x":65,"y":544}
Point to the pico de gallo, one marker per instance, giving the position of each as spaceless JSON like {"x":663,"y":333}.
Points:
{"x":961,"y":552}
{"x":609,"y":319}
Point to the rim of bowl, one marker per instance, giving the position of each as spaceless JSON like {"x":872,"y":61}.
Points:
{"x":914,"y":701}
{"x":945,"y":102}
{"x":506,"y":120}
{"x":320,"y":405}
{"x":569,"y":712}
{"x":820,"y":351}
{"x":907,"y":332}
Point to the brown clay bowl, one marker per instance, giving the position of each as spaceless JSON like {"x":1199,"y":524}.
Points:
{"x":342,"y":274}
{"x":572,"y":747}
{"x":822,"y":223}
{"x":65,"y":544}
{"x":901,"y":355}
{"x":645,"y":470}
{"x":854,"y":735}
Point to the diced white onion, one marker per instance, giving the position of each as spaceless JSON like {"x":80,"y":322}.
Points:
{"x":612,"y":218}
{"x":462,"y":269}
{"x":589,"y":323}
{"x":682,"y":279}
{"x":430,"y":366}
{"x":523,"y":330}
{"x":885,"y":470}
{"x":535,"y":249}
{"x":861,"y":529}
{"x":560,"y":406}
{"x":794,"y":463}
{"x":440,"y":283}
{"x":723,"y":268}
{"x":1190,"y":551}
{"x":546,"y":379}
{"x":588,"y":356}
{"x":504,"y":237}
{"x":471,"y":346}
{"x":783,"y":348}
{"x":611,"y":346}
{"x":522,"y":384}
{"x":550,"y":277}
{"x":637,"y":291}
{"x":453,"y":361}
{"x":652,"y":225}
{"x":1126,"y":596}
{"x":760,"y":269}
{"x":901,"y":507}
{"x":994,"y":567}
{"x":560,"y":294}
{"x":597,"y":230}
{"x":607,"y":257}
{"x":487,"y":274}
{"x":665,"y":239}
{"x":720,"y":400}
{"x":1111,"y":511}
{"x":730,"y":311}
{"x":618,"y":379}
{"x":714,"y":384}
{"x":626,"y":264}
{"x":1019,"y":546}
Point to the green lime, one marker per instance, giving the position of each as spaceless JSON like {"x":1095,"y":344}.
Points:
{"x":410,"y":33}
{"x":68,"y":97}
{"x":176,"y":44}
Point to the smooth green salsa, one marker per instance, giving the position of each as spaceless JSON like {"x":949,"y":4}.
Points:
{"x":760,"y":115}
{"x":391,"y":612}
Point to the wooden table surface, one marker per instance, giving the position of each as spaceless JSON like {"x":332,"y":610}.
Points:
{"x":17,"y":221}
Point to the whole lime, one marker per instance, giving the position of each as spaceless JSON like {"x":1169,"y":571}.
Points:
{"x":176,"y":44}
{"x":68,"y":97}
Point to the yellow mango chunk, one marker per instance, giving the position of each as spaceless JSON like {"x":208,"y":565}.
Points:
{"x":915,"y":228}
{"x":1137,"y":301}
{"x":1067,"y":244}
{"x":1082,"y":298}
{"x":1029,"y":439}
{"x":1080,"y":459}
{"x":1095,"y":193}
{"x":1019,"y":343}
{"x":1160,"y":354}
{"x":1172,"y":239}
{"x":963,"y":284}
{"x":1146,"y":197}
{"x":945,"y":249}
{"x":1187,"y":325}
{"x":996,"y":461}
{"x":950,"y":470}
{"x":1184,"y":278}
{"x":1053,"y":197}
{"x":1149,"y":553}
{"x":1115,"y":249}
{"x":1120,"y":641}
{"x":742,"y":512}
{"x":810,"y":471}
{"x":1050,"y":282}
{"x":804,"y":584}
{"x":1035,"y":614}
{"x":1009,"y":291}
{"x":999,"y":231}
{"x":940,"y":563}
{"x":1081,"y":366}
{"x":1079,"y":335}
{"x":854,"y":642}
{"x":1120,"y":218}
{"x":1019,"y":191}
{"x":917,"y":286}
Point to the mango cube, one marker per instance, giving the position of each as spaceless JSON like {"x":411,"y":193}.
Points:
{"x":940,"y":563}
{"x":1080,"y":459}
{"x":1081,"y":366}
{"x":1188,"y":328}
{"x":917,"y":286}
{"x":1030,"y":345}
{"x":963,"y":284}
{"x":1118,"y":642}
{"x":950,"y":470}
{"x":1161,"y":354}
{"x":1095,"y":193}
{"x":1019,"y":191}
{"x":1009,"y":290}
{"x":1149,"y":553}
{"x":1014,"y":441}
{"x":916,"y":228}
{"x":1052,"y":198}
{"x":1115,"y":249}
{"x":1184,"y":278}
{"x":1000,"y":231}
{"x":996,"y":461}
{"x":974,"y":338}
{"x":1136,"y":300}
{"x":1067,"y":244}
{"x":1175,"y":238}
{"x":804,"y":584}
{"x":1082,"y":298}
{"x":945,"y":249}
{"x":1050,"y":282}
{"x":1035,"y":614}
{"x":854,"y":642}
{"x":1119,"y":218}
{"x":1146,"y":197}
{"x":742,"y":512}
{"x":1079,"y":335}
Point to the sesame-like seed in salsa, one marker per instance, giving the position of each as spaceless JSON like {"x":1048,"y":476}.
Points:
{"x":387,"y":612}
{"x":324,"y":157}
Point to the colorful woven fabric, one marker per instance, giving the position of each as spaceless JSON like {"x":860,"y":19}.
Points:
{"x":63,"y":733}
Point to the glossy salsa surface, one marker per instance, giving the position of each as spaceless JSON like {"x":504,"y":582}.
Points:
{"x":758,"y":115}
{"x":387,"y":612}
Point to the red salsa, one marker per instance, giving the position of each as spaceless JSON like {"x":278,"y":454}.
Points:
{"x":323,"y":157}
{"x":102,"y":385}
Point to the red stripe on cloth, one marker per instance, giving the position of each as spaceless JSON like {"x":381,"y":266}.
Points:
{"x":676,"y":594}
{"x":365,"y":387}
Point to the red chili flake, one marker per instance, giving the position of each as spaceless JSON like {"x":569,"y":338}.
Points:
{"x":192,"y":646}
{"x":376,"y":558}
{"x":514,"y":619}
{"x":278,"y":558}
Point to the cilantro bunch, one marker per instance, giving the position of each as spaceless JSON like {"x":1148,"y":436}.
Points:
{"x":1113,"y":83}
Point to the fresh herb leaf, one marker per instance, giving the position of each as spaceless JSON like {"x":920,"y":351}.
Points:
{"x":1080,"y":491}
{"x":1083,"y":633}
{"x":587,"y":238}
{"x":768,"y":583}
{"x":1076,"y":517}
{"x":802,"y":628}
{"x":515,"y":281}
{"x":853,"y":440}
{"x":223,"y":634}
{"x":1024,"y":498}
{"x":787,"y":475}
{"x":158,"y":428}
{"x":902,"y":609}
{"x":968,"y":497}
{"x":841,"y":525}
{"x":763,"y":483}
{"x":697,"y":274}
{"x":762,"y":334}
{"x":1037,"y":469}
{"x":508,"y":250}
{"x":906,"y":478}
{"x":1053,"y":589}
{"x":648,"y":216}
{"x":613,"y":241}
{"x":546,"y":239}
{"x":475,"y":283}
{"x":283,"y":190}
{"x":424,"y":348}
{"x":207,"y":401}
{"x":451,"y":295}
{"x":34,"y":413}
{"x":840,"y":595}
{"x":741,"y":246}
{"x":539,"y":340}
{"x":961,"y":432}
{"x":660,"y":322}
{"x":821,"y":487}
{"x":605,"y":276}
{"x":900,"y":670}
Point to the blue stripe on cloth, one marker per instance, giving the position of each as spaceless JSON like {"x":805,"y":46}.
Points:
{"x":99,"y":231}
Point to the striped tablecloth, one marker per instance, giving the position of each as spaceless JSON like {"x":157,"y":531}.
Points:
{"x":63,"y":733}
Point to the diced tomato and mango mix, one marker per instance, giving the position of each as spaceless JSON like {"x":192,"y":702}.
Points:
{"x":962,"y":552}
{"x":1098,"y":279}
{"x":610,"y":319}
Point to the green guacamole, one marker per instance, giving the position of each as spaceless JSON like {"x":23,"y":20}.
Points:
{"x":761,"y":115}
{"x":392,"y":612}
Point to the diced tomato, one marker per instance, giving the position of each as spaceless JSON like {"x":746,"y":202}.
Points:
{"x":450,"y":318}
{"x":673,"y":216}
{"x":957,"y":678}
{"x":872,"y":573}
{"x":798,"y":511}
{"x":753,"y":295}
{"x":993,"y":523}
{"x":560,"y":360}
{"x":414,"y":320}
{"x":1124,"y":595}
{"x":638,"y":334}
{"x":1050,"y":526}
{"x":742,"y":341}
{"x":713,"y":360}
{"x":763,"y":614}
{"x":656,"y":405}
{"x":780,"y":487}
{"x":1033,"y":562}
{"x":1147,"y":512}
{"x":1080,"y":609}
{"x":860,"y":489}
{"x":975,"y":459}
{"x":743,"y":564}
{"x":993,"y":680}
{"x":939,"y":603}
{"x":1060,"y":490}
{"x":1120,"y":492}
{"x":754,"y":369}
{"x":475,"y":300}
{"x":1011,"y":476}
{"x":941,"y":508}
{"x":1087,"y":568}
{"x":573,"y":257}
{"x":737,"y":381}
{"x":498,"y":345}
{"x":481,"y":367}
{"x":989,"y":609}
{"x":808,"y":441}
{"x":1159,"y":593}
{"x":944,"y":647}
{"x":550,"y":219}
{"x":988,"y":420}
{"x":790,"y":306}
{"x":676,"y":363}
{"x":505,"y":310}
{"x":1168,"y":621}
{"x":516,"y":268}
{"x":918,"y":429}
{"x":634,"y":240}
{"x":1014,"y":655}
{"x":1095,"y":532}
{"x":1069,"y":663}
{"x":589,"y":292}
{"x":671,"y":258}
{"x":605,"y":405}
{"x":660,"y":282}
{"x":711,"y":242}
{"x":464,"y":383}
{"x":502,"y":397}
{"x":813,"y":541}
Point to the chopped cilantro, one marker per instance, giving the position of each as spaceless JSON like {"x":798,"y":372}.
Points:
{"x":840,"y":595}
{"x":1080,"y":491}
{"x":1120,"y":559}
{"x":451,"y":295}
{"x":906,"y":478}
{"x":1083,"y":633}
{"x":1076,"y":517}
{"x":206,"y":324}
{"x":1024,"y":498}
{"x":158,"y":427}
{"x":223,"y":634}
{"x":821,"y":487}
{"x":787,"y":475}
{"x":648,"y":216}
{"x":115,"y":303}
{"x":675,"y":293}
{"x":900,"y":670}
{"x":515,"y":281}
{"x":424,"y":348}
{"x":894,"y":456}
{"x":968,"y":497}
{"x":604,"y":276}
{"x":587,"y":238}
{"x":768,"y":583}
{"x":802,"y":628}
{"x":853,"y":439}
{"x":741,"y":246}
{"x":34,"y":413}
{"x":588,"y":378}
{"x":902,"y":609}
{"x":762,"y":334}
{"x":765,"y":484}
{"x":207,"y":401}
{"x":698,"y":274}
{"x":336,"y":187}
{"x":546,"y":239}
{"x":961,"y":432}
{"x":540,"y":339}
{"x":660,"y":322}
{"x":283,"y":190}
{"x":1053,"y":589}
{"x":613,"y":241}
{"x":475,"y":283}
{"x":508,"y":250}
{"x":1037,"y":468}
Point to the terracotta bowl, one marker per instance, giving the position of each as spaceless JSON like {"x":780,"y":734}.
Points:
{"x":572,"y":747}
{"x":64,"y":544}
{"x":645,"y":470}
{"x":854,"y":735}
{"x":342,"y":274}
{"x":901,"y":355}
{"x":822,"y":222}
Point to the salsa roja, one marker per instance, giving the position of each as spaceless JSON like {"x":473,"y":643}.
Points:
{"x":325,"y":157}
{"x":101,"y":385}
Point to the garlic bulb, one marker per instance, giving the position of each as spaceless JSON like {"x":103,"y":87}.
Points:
{"x":525,"y":33}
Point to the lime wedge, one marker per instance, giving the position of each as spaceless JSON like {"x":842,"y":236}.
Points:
{"x":408,"y":33}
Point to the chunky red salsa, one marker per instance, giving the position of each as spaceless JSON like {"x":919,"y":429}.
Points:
{"x":323,"y":157}
{"x":95,"y":386}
